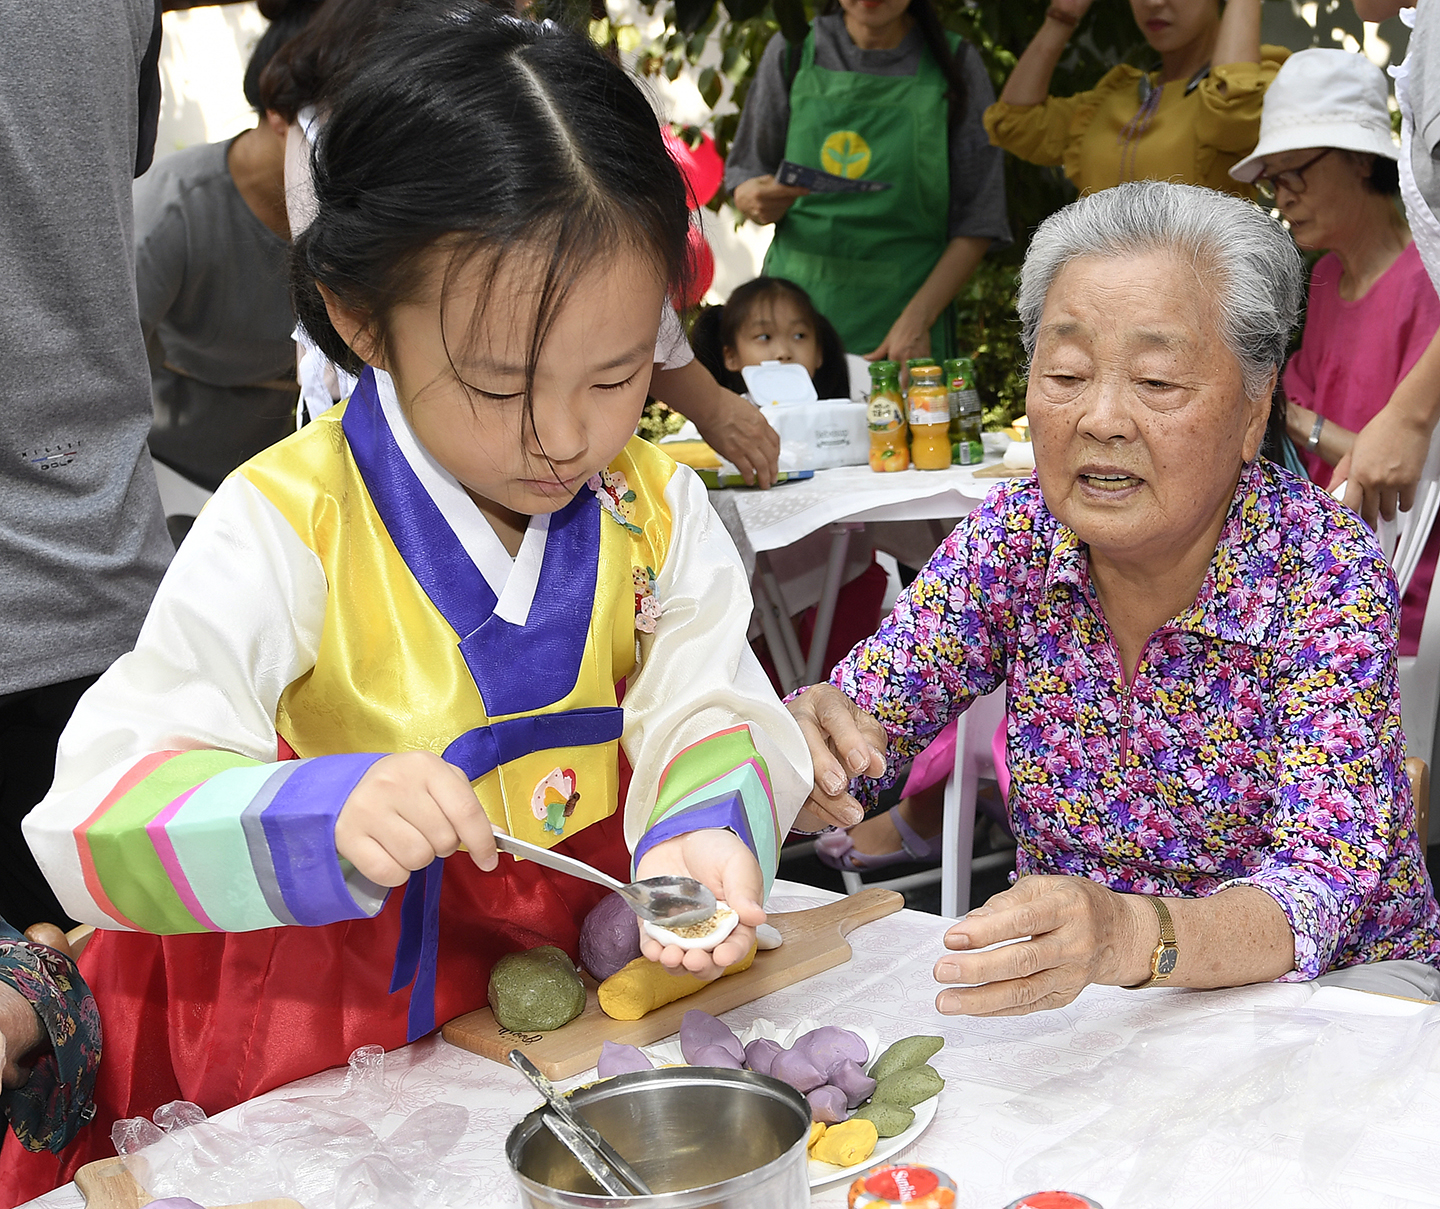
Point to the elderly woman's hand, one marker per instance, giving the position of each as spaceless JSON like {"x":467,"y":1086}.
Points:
{"x":20,"y":1032}
{"x":844,"y":742}
{"x":1069,"y":931}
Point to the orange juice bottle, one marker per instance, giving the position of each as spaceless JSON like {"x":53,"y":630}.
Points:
{"x":889,"y":444}
{"x":929,"y":408}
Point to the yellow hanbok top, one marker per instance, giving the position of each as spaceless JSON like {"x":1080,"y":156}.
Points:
{"x":1193,"y":136}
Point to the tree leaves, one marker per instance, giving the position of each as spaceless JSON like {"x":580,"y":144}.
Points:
{"x":690,"y":15}
{"x":792,"y":18}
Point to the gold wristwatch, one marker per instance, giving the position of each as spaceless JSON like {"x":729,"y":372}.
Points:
{"x":1167,"y":952}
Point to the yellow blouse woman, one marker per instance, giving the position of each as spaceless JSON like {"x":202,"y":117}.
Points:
{"x":1188,"y":122}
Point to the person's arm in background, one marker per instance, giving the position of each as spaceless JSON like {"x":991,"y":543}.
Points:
{"x":1335,"y":441}
{"x":1383,"y":467}
{"x":976,"y":220}
{"x":1029,"y":82}
{"x":759,"y":144}
{"x":909,"y":335}
{"x":731,"y":427}
{"x":1239,"y":37}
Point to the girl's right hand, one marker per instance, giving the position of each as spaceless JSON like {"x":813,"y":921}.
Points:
{"x":763,"y":201}
{"x":407,"y":810}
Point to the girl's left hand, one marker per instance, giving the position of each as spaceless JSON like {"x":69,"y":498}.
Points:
{"x":908,"y":338}
{"x":720,"y":860}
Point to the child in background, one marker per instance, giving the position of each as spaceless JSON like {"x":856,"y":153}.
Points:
{"x":770,"y":319}
{"x":773,"y":319}
{"x":401,"y":626}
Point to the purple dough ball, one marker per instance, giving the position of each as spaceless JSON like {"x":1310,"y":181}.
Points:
{"x":609,"y":937}
{"x":618,"y":1059}
{"x":715,"y":1055}
{"x":827,"y":1047}
{"x":828,"y":1104}
{"x":699,"y":1029}
{"x":854,"y":1082}
{"x":760,"y":1054}
{"x":793,"y":1067}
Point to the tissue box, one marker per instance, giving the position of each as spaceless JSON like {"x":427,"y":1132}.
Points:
{"x":815,"y":434}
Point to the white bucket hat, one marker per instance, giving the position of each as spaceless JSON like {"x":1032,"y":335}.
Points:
{"x":1322,"y":98}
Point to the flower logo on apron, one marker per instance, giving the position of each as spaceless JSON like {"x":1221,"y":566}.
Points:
{"x":845,"y":154}
{"x":555,"y":799}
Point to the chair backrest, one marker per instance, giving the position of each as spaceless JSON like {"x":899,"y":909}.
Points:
{"x":1412,"y":529}
{"x":1418,"y":773}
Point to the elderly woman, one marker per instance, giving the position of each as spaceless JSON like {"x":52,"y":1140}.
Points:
{"x":1327,"y":162}
{"x":1198,"y":647}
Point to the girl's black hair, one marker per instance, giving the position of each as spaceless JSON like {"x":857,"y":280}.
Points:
{"x":287,"y":19}
{"x":468,"y":132}
{"x":716,"y":328}
{"x":938,"y":44}
{"x":305,"y":67}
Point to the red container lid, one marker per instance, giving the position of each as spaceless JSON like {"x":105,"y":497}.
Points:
{"x":903,"y":1184}
{"x":1054,"y":1200}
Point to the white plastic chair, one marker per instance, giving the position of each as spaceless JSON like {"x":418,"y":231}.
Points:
{"x":1404,"y":541}
{"x":974,"y":762}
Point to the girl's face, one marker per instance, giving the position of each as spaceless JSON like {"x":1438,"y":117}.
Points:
{"x":874,"y":15}
{"x":591,"y":376}
{"x":1174,"y":24}
{"x":777,"y":329}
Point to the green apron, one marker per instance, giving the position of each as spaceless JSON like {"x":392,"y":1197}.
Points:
{"x":862,"y":256}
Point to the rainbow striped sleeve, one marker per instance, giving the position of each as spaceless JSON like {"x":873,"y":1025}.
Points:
{"x":210,"y":841}
{"x":721,"y":781}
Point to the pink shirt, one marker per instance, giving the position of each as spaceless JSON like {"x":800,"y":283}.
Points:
{"x":1351,"y":358}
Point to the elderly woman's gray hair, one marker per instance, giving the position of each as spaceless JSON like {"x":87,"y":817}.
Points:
{"x":1252,"y":264}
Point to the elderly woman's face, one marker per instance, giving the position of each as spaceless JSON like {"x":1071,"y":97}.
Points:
{"x":1333,"y":207}
{"x":1137,"y":408}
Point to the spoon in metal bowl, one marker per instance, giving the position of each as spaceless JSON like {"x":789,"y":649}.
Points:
{"x":675,"y":902}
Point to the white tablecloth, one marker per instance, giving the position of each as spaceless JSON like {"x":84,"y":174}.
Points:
{"x":1273,"y":1096}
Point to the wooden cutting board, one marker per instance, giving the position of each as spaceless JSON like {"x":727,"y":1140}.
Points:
{"x":814,"y":941}
{"x":107,"y":1185}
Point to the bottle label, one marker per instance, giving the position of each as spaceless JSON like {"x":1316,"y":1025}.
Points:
{"x":925,"y":411}
{"x":884,"y":414}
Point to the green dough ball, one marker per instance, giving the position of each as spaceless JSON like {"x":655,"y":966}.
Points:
{"x":908,"y":1088}
{"x":888,"y":1119}
{"x":911,"y":1051}
{"x":536,"y":991}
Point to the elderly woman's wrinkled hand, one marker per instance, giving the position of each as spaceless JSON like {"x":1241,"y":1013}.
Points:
{"x":844,"y":742}
{"x":1068,"y":933}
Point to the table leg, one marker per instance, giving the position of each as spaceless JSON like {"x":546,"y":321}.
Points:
{"x":825,"y":610}
{"x":779,"y":630}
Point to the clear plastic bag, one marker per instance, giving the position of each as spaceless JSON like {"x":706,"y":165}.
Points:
{"x":320,"y":1151}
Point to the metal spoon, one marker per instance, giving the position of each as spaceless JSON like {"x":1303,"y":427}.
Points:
{"x":595,"y":1154}
{"x":673,"y":901}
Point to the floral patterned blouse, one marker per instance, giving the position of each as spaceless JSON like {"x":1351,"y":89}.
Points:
{"x":1258,"y":741}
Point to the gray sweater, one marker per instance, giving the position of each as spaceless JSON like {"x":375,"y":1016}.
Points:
{"x":82,"y":541}
{"x":977,"y":170}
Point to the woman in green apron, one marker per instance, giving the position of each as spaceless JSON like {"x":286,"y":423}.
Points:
{"x":878,"y":92}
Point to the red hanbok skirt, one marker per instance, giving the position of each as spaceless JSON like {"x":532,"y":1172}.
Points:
{"x":219,"y":1018}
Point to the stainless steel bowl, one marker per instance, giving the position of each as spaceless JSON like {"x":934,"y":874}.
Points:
{"x":701,"y":1137}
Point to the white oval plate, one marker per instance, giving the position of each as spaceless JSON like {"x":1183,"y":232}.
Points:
{"x":822,"y":1175}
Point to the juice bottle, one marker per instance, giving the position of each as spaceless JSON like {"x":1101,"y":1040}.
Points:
{"x":889,"y":447}
{"x":929,"y":407}
{"x":966,"y":448}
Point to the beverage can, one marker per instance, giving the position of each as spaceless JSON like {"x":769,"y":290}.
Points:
{"x":909,"y":1184}
{"x":966,"y":413}
{"x":1054,"y":1200}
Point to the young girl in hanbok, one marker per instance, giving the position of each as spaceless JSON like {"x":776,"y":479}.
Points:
{"x":466,"y":599}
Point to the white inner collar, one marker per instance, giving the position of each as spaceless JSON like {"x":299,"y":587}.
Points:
{"x":512,"y":580}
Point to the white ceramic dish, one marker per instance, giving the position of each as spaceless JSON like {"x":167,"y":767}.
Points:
{"x":822,"y":1175}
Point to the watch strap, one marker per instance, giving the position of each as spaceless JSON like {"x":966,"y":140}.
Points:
{"x":1313,"y":441}
{"x":1162,"y":960}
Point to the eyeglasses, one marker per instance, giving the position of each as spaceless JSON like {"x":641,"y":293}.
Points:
{"x":1292,"y":178}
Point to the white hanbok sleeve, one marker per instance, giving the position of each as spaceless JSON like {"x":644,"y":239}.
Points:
{"x":171,"y":811}
{"x":710,"y":742}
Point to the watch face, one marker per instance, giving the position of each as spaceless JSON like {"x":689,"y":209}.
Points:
{"x":1166,"y":963}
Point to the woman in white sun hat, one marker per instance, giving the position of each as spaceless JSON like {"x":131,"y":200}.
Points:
{"x":1327,"y":161}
